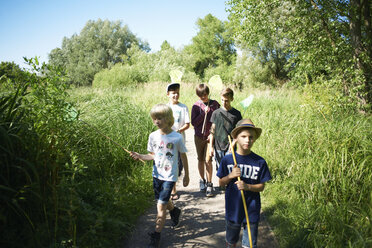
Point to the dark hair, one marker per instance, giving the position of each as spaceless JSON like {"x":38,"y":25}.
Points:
{"x":174,"y":87}
{"x":227,"y":92}
{"x":202,"y":89}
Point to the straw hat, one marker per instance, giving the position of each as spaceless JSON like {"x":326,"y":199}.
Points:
{"x":245,"y":123}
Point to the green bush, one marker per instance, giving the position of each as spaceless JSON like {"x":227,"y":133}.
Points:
{"x":328,"y":96}
{"x":225,"y":71}
{"x":251,"y":73}
{"x":140,"y":67}
{"x":63,"y":184}
{"x":33,"y":152}
{"x":119,"y":75}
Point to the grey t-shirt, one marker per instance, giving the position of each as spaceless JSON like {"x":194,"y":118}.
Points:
{"x":225,"y":122}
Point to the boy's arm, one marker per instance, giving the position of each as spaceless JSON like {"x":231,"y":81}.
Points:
{"x":146,"y":157}
{"x":185,"y":164}
{"x":233,"y":174}
{"x":211,"y":139}
{"x":184,"y":127}
{"x":196,"y":117}
{"x":250,"y":187}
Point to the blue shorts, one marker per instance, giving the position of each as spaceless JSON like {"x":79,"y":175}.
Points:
{"x":233,"y":232}
{"x":162,"y":190}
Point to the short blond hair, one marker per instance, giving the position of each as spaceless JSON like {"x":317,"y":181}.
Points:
{"x":162,"y":111}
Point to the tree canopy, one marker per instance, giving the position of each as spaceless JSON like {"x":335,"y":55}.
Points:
{"x":213,"y":45}
{"x":99,"y":45}
{"x":12,"y":71}
{"x":330,"y":39}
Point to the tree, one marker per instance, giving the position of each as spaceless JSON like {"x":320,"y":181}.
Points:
{"x":99,"y":45}
{"x":165,"y":46}
{"x":12,"y":71}
{"x":325,"y":38}
{"x":213,"y":44}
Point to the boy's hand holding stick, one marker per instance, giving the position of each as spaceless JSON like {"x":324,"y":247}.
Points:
{"x":236,"y":173}
{"x":136,"y":156}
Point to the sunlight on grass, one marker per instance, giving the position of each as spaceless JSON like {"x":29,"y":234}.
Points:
{"x":320,"y":192}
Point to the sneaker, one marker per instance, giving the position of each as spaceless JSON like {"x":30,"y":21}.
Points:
{"x":230,"y":245}
{"x":154,"y":240}
{"x":175,"y":216}
{"x":202,"y":185}
{"x":222,"y":188}
{"x":209,"y":191}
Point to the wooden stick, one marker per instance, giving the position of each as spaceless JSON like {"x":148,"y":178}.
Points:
{"x":205,"y":118}
{"x":243,"y":198}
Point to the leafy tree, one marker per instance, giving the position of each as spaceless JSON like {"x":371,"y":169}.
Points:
{"x":165,"y":46}
{"x":99,"y":45}
{"x":12,"y":71}
{"x":213,"y":45}
{"x":139,"y":66}
{"x":329,"y":39}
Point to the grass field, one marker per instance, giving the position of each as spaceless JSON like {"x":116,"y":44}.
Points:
{"x":320,"y":195}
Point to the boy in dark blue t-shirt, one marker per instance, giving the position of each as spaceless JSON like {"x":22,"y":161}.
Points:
{"x":254,"y":172}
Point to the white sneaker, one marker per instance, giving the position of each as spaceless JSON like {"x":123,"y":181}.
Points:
{"x":209,"y":191}
{"x":202,"y":185}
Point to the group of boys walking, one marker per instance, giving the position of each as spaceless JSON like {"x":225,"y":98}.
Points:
{"x":213,"y":124}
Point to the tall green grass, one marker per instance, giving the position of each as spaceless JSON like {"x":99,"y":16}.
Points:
{"x":320,"y":195}
{"x":321,"y":192}
{"x":62,"y":184}
{"x":117,"y":189}
{"x":65,"y":185}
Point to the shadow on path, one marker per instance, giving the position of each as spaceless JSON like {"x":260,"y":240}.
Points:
{"x":202,"y":219}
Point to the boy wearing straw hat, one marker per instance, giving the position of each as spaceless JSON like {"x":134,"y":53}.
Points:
{"x":164,"y":147}
{"x":254,"y":172}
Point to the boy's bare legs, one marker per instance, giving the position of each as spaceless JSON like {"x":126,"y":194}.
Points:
{"x":174,"y":190}
{"x":209,"y":170}
{"x":201,"y":165}
{"x":161,"y":216}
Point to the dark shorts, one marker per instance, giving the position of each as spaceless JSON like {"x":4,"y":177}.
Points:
{"x":218,"y":155}
{"x":201,"y":147}
{"x":162,"y":190}
{"x":233,"y":232}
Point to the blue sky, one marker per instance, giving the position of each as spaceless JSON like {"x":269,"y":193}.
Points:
{"x":35,"y":27}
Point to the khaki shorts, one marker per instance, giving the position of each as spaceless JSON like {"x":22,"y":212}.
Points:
{"x":201,"y":147}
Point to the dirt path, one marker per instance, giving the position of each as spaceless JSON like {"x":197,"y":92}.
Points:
{"x":202,"y":220}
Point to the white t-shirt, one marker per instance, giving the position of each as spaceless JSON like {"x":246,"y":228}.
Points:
{"x":180,"y":115}
{"x":165,"y":148}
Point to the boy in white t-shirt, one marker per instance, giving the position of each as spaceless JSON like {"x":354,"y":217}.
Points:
{"x":164,"y":147}
{"x":181,"y":121}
